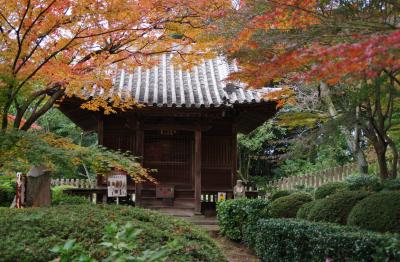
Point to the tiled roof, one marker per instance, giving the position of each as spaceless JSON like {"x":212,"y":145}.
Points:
{"x":168,"y":85}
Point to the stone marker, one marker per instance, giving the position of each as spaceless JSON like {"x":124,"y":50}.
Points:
{"x":239,"y":190}
{"x":38,"y":192}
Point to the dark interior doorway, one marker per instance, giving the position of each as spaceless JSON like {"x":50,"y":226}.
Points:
{"x":170,"y":152}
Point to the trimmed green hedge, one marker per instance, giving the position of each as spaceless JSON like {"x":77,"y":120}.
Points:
{"x":233,"y":215}
{"x":378,"y":212}
{"x":299,"y":240}
{"x":392,"y":184}
{"x":279,"y":194}
{"x":58,"y":197}
{"x":28,"y":234}
{"x":288,"y":206}
{"x":329,"y":189}
{"x":335,"y":208}
{"x":364,"y":182}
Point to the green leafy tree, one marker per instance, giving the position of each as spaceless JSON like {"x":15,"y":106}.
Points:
{"x":20,"y":150}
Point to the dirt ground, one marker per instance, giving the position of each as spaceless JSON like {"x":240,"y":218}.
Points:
{"x":235,"y":252}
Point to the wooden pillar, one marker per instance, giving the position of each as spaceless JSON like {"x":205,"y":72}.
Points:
{"x":197,"y":170}
{"x":234,"y":155}
{"x":139,"y":152}
{"x":100,"y":130}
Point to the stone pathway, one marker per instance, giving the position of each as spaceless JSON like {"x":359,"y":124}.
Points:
{"x":233,"y":251}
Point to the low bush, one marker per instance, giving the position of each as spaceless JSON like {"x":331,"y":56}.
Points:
{"x":288,"y":206}
{"x":391,"y":184}
{"x":118,"y":242}
{"x":335,"y":208}
{"x":7,"y":190}
{"x":378,"y":212}
{"x":279,"y":194}
{"x":28,"y":234}
{"x":61,"y":198}
{"x":304,"y":210}
{"x":299,"y":240}
{"x":364,"y":182}
{"x":329,"y":189}
{"x":234,"y":214}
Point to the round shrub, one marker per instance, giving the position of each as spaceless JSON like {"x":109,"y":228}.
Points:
{"x":329,"y":189}
{"x":304,"y":211}
{"x":364,"y":182}
{"x":378,"y":212}
{"x":28,"y":234}
{"x":288,"y":206}
{"x":336,"y":208}
{"x":234,"y":214}
{"x":279,"y":194}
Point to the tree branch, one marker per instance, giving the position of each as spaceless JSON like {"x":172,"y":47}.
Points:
{"x":49,"y":103}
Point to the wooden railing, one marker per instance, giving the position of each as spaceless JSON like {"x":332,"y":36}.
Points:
{"x":77,"y":183}
{"x":316,"y":179}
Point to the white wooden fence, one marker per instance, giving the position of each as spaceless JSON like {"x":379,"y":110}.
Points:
{"x":308,"y":180}
{"x":77,"y":183}
{"x":316,"y":179}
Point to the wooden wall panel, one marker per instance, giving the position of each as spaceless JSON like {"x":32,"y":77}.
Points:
{"x":217,"y":152}
{"x":215,"y":179}
{"x":124,"y":141}
{"x":217,"y":163}
{"x":171,"y":154}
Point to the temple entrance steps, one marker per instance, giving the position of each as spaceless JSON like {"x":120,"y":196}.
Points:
{"x":189,"y":215}
{"x":183,"y":199}
{"x":177,"y":203}
{"x":184,"y":213}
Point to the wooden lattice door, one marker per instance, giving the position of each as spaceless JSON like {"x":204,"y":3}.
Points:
{"x":170,"y":153}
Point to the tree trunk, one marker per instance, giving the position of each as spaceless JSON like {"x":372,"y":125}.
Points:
{"x":352,"y":142}
{"x":381,"y":157}
{"x":395,"y":153}
{"x":362,"y":162}
{"x":5,"y":109}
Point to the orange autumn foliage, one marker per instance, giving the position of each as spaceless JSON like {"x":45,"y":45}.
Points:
{"x":53,"y":48}
{"x":312,"y":40}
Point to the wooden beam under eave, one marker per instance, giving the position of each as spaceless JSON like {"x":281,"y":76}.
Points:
{"x":234,"y":154}
{"x":197,"y":170}
{"x":139,"y":152}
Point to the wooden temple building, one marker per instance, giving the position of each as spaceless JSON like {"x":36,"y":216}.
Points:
{"x":186,"y":128}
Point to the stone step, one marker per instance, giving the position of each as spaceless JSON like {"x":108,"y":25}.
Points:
{"x":177,"y":212}
{"x":199,"y":221}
